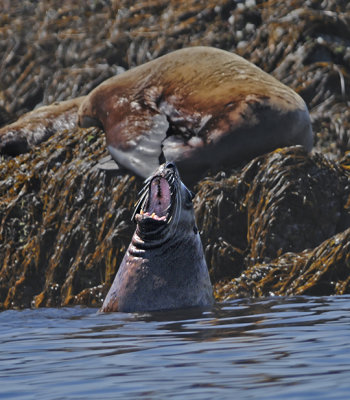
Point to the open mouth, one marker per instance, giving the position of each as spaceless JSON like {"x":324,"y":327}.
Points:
{"x":158,"y":205}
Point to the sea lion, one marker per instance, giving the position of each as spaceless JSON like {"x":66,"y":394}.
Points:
{"x":164,"y":266}
{"x":201,"y":107}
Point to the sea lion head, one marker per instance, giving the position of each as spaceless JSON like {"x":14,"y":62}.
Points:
{"x":165,"y":206}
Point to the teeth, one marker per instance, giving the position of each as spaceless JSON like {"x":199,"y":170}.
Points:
{"x":153,"y":215}
{"x":141,"y":212}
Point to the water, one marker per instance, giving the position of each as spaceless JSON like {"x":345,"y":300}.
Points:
{"x":278,"y":348}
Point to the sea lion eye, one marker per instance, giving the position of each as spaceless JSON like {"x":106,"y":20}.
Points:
{"x":170,"y":165}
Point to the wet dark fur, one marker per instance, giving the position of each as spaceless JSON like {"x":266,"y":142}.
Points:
{"x":164,"y":266}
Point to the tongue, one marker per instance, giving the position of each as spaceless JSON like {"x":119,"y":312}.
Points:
{"x":159,"y":197}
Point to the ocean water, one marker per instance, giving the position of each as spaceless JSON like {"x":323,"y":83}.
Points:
{"x":274,"y":348}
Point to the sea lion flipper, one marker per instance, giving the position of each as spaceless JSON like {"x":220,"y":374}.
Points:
{"x":38,"y":125}
{"x":107,"y":164}
{"x":144,"y":153}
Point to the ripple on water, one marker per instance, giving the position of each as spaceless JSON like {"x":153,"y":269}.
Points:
{"x":290,"y":348}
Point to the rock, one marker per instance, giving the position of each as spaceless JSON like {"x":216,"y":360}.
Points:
{"x":321,"y":271}
{"x":276,"y":204}
{"x":64,"y":224}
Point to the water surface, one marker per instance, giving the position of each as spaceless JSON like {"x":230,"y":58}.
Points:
{"x":277,"y":348}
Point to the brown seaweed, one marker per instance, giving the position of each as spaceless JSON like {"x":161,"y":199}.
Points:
{"x":279,"y":226}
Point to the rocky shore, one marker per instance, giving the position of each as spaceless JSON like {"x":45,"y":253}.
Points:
{"x":276,"y":226}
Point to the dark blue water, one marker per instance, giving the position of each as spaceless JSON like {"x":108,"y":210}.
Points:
{"x":278,"y":348}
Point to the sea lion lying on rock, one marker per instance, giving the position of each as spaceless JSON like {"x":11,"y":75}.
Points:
{"x":200,"y":107}
{"x":164,"y":266}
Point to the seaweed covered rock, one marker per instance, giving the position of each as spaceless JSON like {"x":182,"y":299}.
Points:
{"x":281,"y":202}
{"x":322,"y":271}
{"x":305,"y":45}
{"x":63,"y":50}
{"x":277,"y":226}
{"x":295,"y":210}
{"x":64,"y":224}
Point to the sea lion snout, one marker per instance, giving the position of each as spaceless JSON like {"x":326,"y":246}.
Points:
{"x":167,"y":168}
{"x":170,"y":164}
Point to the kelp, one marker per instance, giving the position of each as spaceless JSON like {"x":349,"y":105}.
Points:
{"x":65,"y":224}
{"x":277,"y":226}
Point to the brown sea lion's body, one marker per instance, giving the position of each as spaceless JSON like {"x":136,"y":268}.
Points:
{"x":164,"y":266}
{"x":201,"y":107}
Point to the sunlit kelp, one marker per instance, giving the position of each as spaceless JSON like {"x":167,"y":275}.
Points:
{"x":297,"y":217}
{"x":52,"y":51}
{"x":304,"y":44}
{"x":65,"y":225}
{"x":285,"y":201}
{"x":324,"y":270}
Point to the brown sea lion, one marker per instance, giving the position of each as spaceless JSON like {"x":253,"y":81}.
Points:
{"x":164,"y":266}
{"x":201,"y":107}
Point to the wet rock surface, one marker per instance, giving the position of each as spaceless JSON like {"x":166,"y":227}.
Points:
{"x":288,"y":215}
{"x":277,"y":226}
{"x":64,"y":223}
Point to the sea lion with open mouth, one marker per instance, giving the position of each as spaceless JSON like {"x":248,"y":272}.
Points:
{"x":164,"y":266}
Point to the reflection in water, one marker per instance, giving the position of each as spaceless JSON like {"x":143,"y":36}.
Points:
{"x":273,"y":348}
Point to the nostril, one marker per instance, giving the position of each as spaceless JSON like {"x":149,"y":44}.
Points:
{"x":170,"y":165}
